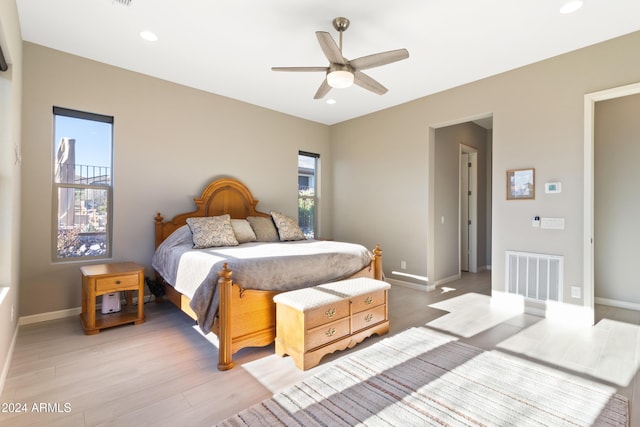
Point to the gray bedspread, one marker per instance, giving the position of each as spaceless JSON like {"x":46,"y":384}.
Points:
{"x":257,"y":265}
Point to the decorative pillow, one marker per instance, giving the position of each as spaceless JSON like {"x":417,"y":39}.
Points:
{"x":210,"y":231}
{"x":288,"y":228}
{"x":243,"y":231}
{"x":264,"y":228}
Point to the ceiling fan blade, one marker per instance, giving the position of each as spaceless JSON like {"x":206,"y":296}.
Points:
{"x":299,"y":69}
{"x":322,"y":90}
{"x":366,"y":82}
{"x":378,"y":59}
{"x":330,"y":48}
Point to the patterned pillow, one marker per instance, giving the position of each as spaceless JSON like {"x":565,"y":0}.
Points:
{"x":212,"y":231}
{"x":243,"y":231}
{"x":264,"y":228}
{"x":288,"y":228}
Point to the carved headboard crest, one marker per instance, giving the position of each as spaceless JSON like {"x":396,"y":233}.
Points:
{"x":222,"y":196}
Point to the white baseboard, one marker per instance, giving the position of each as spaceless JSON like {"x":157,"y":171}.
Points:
{"x":7,"y":362}
{"x":448,"y":280}
{"x":618,"y":304}
{"x":61,"y":314}
{"x":411,"y":285}
{"x":51,"y":315}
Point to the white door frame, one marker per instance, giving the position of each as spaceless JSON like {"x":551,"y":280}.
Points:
{"x":590,"y":100}
{"x":473,"y":208}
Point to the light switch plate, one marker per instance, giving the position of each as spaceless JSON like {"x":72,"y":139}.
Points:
{"x":552,"y":223}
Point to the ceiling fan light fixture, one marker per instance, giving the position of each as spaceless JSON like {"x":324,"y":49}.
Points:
{"x":340,"y":79}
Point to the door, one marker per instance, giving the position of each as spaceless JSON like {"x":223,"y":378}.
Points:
{"x":468,"y":209}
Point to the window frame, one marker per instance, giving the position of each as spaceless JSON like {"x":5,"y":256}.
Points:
{"x":57,"y":186}
{"x":315,"y":197}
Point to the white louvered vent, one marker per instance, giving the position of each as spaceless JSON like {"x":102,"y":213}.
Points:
{"x":534,"y":276}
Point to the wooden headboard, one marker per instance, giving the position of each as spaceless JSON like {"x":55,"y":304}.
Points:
{"x":222,"y":196}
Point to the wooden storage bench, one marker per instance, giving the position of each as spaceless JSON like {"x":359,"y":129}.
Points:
{"x":313,"y":322}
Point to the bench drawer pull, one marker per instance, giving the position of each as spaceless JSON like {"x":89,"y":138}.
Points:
{"x":330,"y":332}
{"x":330,"y":312}
{"x":368,"y":301}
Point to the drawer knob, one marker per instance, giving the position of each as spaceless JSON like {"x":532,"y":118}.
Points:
{"x":368,"y":317}
{"x":330,"y":332}
{"x":330,"y":312}
{"x":117,"y":282}
{"x":368,"y":301}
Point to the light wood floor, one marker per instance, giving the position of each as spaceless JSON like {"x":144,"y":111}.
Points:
{"x":163,"y":372}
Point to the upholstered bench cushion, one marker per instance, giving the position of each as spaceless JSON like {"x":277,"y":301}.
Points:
{"x":317,"y":296}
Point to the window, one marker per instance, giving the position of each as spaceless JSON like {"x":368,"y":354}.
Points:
{"x":307,"y":194}
{"x":82,"y":184}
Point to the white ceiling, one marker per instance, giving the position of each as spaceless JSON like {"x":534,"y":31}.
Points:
{"x":229,"y":46}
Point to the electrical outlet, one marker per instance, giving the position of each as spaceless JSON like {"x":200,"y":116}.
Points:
{"x":403,"y":265}
{"x":575,"y":292}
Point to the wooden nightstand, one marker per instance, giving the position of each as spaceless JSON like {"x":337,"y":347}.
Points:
{"x":105,"y":279}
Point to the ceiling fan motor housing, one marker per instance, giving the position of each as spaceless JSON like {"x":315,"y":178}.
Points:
{"x":341,"y":24}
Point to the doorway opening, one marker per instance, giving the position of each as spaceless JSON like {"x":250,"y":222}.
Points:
{"x":590,"y":101}
{"x":447,"y":144}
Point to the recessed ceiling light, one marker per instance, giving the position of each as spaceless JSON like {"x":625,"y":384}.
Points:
{"x":571,"y":6}
{"x":331,"y":101}
{"x":148,"y":36}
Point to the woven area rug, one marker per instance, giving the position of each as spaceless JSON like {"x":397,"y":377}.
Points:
{"x":422,"y":377}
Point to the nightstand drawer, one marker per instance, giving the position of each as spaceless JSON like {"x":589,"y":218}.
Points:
{"x":116,"y":283}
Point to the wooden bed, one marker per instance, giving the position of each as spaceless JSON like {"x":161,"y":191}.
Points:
{"x":246,"y":317}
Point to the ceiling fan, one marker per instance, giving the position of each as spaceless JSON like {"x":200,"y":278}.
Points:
{"x":342,"y":72}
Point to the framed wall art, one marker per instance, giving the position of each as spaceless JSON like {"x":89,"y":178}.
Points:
{"x":521,"y":184}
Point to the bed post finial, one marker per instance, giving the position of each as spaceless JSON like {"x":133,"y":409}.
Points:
{"x":224,"y":317}
{"x":377,"y":263}
{"x":159,"y":235}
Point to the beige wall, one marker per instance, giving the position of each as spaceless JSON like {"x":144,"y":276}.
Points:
{"x":377,"y":169}
{"x":617,"y":204}
{"x":382,"y":161}
{"x":169,"y":142}
{"x":10,"y":117}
